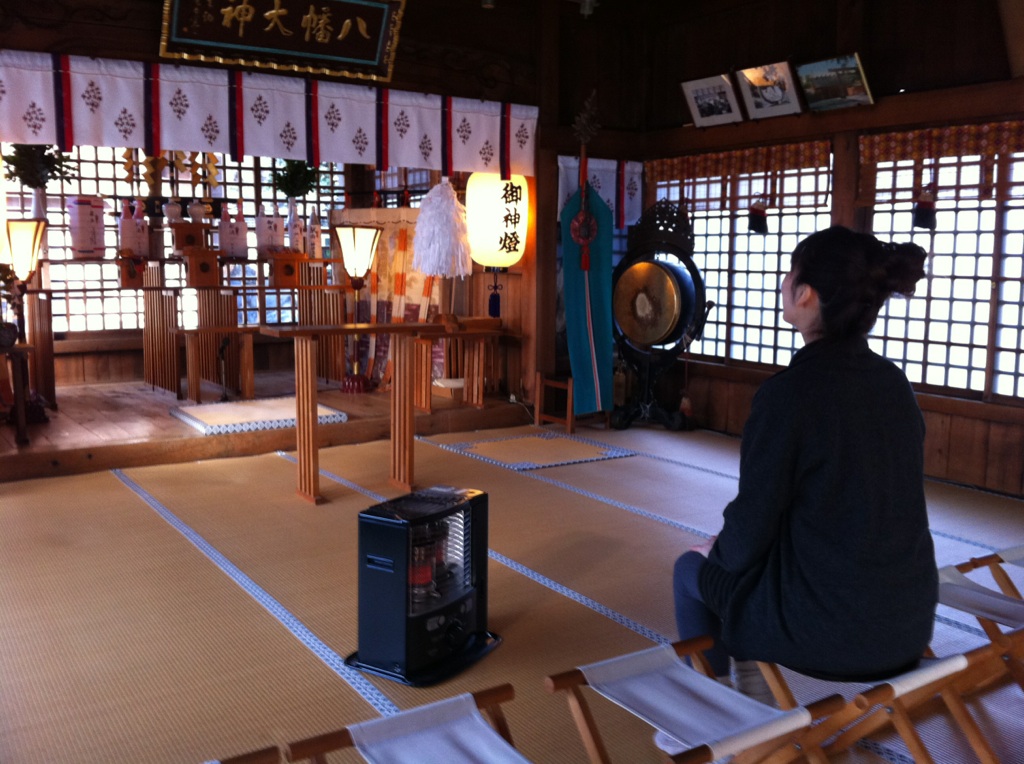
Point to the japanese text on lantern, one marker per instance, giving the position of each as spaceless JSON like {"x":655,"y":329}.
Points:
{"x":511,"y":196}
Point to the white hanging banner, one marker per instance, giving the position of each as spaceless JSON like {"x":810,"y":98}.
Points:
{"x":619,"y":184}
{"x":76,"y":100}
{"x":346,"y":123}
{"x":414,"y":130}
{"x":192,"y":103}
{"x":273,"y":116}
{"x":108,"y":102}
{"x":476,"y":135}
{"x":523,"y":138}
{"x":27,"y":107}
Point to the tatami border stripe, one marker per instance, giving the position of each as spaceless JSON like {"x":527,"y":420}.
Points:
{"x":337,"y":479}
{"x":533,"y":575}
{"x":609,"y":451}
{"x":567,"y":487}
{"x":879,"y":749}
{"x":575,"y":596}
{"x":333,"y":661}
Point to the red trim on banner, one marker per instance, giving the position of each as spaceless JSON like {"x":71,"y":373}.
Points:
{"x":155,"y":108}
{"x":505,"y":141}
{"x":239,"y":115}
{"x":69,"y":121}
{"x":446,"y":137}
{"x":314,"y":122}
{"x":382,"y":130}
{"x":620,"y":194}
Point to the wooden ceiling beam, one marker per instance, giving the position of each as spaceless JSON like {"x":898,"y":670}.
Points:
{"x":986,"y":102}
{"x":1011,"y":12}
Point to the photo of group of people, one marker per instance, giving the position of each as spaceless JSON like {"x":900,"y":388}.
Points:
{"x":772,"y":90}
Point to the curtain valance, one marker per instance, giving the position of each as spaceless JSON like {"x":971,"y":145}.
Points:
{"x":711,"y":181}
{"x":75,"y":100}
{"x":932,"y":155}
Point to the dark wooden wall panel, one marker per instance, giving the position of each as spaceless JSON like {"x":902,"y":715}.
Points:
{"x":1005,"y":463}
{"x":936,"y":443}
{"x":968,"y":440}
{"x":964,"y":443}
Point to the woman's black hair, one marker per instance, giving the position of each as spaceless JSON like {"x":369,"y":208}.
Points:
{"x":854,"y":274}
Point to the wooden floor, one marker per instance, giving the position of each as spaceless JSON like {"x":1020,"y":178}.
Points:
{"x":126,"y":424}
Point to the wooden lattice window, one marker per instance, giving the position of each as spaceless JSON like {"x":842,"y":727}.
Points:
{"x":743,"y":270}
{"x":961,"y":332}
{"x":86,"y":296}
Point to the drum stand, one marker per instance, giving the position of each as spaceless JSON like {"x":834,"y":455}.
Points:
{"x":644,"y":407}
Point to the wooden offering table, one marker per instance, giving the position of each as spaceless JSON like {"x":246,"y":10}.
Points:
{"x":193,"y":359}
{"x":403,"y":388}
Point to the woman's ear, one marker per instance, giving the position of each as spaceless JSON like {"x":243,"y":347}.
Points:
{"x":807,"y":297}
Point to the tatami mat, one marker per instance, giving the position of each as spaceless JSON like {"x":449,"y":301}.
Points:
{"x":185,"y":612}
{"x":533,"y":451}
{"x":305,"y":557}
{"x":120,"y":641}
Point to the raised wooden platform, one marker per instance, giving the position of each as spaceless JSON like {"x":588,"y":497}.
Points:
{"x":127,"y":424}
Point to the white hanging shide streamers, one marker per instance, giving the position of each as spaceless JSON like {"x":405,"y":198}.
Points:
{"x":441,"y":242}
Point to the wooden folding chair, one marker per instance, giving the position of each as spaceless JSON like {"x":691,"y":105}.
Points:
{"x":941,"y":682}
{"x":453,"y":731}
{"x":993,"y":608}
{"x":708,"y":718}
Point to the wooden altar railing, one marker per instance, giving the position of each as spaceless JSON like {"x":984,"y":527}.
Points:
{"x":403,"y":391}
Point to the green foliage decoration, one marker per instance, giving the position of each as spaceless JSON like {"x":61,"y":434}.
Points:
{"x":295,"y":178}
{"x":34,"y":165}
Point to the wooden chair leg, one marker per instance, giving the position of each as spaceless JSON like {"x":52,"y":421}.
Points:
{"x":778,"y":685}
{"x":540,"y":416}
{"x":962,"y":716}
{"x":905,"y":727}
{"x":581,"y":713}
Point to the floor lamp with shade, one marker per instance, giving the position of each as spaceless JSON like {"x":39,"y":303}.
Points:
{"x":358,"y":245}
{"x":497,"y":217}
{"x":24,"y":240}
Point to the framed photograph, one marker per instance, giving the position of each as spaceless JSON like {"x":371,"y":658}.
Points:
{"x":712,"y":101}
{"x":835,"y":83}
{"x":769,"y":91}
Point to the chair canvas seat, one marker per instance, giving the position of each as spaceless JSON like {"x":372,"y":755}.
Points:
{"x":958,"y":591}
{"x":658,"y":687}
{"x":451,"y":731}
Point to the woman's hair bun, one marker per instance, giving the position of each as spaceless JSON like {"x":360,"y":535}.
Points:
{"x":904,"y":267}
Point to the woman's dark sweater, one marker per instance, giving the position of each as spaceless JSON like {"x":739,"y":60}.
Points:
{"x":825,"y":563}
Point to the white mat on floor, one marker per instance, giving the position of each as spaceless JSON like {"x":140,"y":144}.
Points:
{"x":249,"y":416}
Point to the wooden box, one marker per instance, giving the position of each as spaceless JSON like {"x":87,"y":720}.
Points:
{"x":201,"y":267}
{"x":185,"y":235}
{"x":284,"y":268}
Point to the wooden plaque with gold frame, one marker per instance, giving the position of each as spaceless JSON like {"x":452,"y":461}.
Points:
{"x":345,"y":38}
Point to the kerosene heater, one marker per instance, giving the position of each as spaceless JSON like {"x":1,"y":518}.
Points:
{"x":423,"y":585}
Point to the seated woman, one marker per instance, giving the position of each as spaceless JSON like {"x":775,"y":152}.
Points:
{"x":825,"y":563}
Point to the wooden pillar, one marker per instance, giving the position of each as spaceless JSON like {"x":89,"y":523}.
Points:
{"x":308,"y":448}
{"x":422,"y":392}
{"x":538,"y":282}
{"x":246,"y":363}
{"x":474,"y":350}
{"x":403,"y":428}
{"x":845,"y":170}
{"x":194,"y":379}
{"x":39,"y":320}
